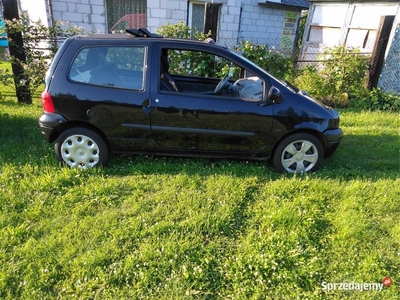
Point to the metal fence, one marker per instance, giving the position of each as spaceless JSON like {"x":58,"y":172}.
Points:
{"x":233,"y":43}
{"x":306,"y":55}
{"x":390,"y":78}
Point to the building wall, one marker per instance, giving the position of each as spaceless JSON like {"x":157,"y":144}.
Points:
{"x":89,"y":14}
{"x":336,"y":23}
{"x":229,"y":22}
{"x":262,"y":23}
{"x":162,"y":12}
{"x":238,"y":19}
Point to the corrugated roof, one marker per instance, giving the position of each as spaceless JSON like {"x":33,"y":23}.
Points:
{"x":295,"y":3}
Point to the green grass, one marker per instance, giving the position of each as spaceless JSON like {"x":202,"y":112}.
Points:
{"x":173,"y":228}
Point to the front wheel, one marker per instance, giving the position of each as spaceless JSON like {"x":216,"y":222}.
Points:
{"x":298,"y":153}
{"x":81,"y":148}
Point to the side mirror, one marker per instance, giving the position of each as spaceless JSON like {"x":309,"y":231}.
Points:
{"x":275,"y":95}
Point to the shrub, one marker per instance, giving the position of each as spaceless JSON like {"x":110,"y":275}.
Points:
{"x":379,"y":100}
{"x":263,"y":55}
{"x":340,"y":76}
{"x":40,"y":45}
{"x":176,"y":31}
{"x":267,"y":58}
{"x":191,"y":62}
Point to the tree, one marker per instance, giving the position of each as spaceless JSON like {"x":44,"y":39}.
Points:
{"x":31,"y":55}
{"x":15,"y":45}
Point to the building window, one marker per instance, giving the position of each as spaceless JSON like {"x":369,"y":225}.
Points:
{"x":122,"y":14}
{"x":196,"y":16}
{"x":203,"y":17}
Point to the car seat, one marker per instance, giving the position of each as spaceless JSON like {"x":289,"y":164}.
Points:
{"x":167,"y":82}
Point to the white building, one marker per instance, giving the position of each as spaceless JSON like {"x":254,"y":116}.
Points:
{"x":351,"y":23}
{"x":354,"y":24}
{"x":272,"y":22}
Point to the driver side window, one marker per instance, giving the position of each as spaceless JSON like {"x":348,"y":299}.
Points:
{"x":192,"y":71}
{"x":198,"y":72}
{"x":198,"y":63}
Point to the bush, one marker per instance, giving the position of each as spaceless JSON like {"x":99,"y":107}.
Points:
{"x":340,"y":76}
{"x":263,"y":55}
{"x":379,"y":100}
{"x":267,"y":58}
{"x":40,"y":45}
{"x":180,"y":62}
{"x":175,"y":31}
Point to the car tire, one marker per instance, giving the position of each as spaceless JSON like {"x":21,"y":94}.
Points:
{"x":298,"y":153}
{"x":81,"y":148}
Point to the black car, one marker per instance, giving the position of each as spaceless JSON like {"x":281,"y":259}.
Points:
{"x":142,"y":93}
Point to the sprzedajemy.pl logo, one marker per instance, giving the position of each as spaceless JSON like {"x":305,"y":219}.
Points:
{"x":356,"y":286}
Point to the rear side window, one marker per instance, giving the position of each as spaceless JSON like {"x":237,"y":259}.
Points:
{"x":118,"y":67}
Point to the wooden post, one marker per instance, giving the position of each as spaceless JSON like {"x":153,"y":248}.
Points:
{"x":378,"y":53}
{"x":16,"y":48}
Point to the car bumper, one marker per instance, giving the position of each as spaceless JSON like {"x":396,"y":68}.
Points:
{"x":333,"y":137}
{"x":47,"y":123}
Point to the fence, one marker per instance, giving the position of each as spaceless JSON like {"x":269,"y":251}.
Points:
{"x":309,"y":54}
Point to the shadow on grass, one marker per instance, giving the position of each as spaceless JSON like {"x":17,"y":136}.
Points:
{"x":20,"y":138}
{"x":372,"y":157}
{"x":365,"y":156}
{"x":6,"y":93}
{"x":358,"y":156}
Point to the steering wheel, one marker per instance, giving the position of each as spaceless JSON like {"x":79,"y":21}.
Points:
{"x":223,"y":83}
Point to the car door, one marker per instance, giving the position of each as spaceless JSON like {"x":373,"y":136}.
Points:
{"x":194,"y":120}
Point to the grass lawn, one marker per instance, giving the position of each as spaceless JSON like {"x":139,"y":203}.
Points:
{"x":173,"y":228}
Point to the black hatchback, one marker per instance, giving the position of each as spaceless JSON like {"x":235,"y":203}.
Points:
{"x":142,"y":93}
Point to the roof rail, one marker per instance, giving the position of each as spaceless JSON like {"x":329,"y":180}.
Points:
{"x":147,"y":33}
{"x":134,"y":32}
{"x":142,"y":32}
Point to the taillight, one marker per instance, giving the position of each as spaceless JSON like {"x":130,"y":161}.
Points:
{"x":47,"y":102}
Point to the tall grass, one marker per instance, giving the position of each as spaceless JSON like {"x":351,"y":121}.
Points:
{"x":172,"y":228}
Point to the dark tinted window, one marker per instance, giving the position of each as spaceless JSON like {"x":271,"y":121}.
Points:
{"x":120,"y":67}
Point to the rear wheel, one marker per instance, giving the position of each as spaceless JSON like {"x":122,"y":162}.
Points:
{"x":81,"y":148}
{"x":298,"y":153}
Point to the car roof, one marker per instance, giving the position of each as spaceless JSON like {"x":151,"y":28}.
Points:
{"x":119,"y":36}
